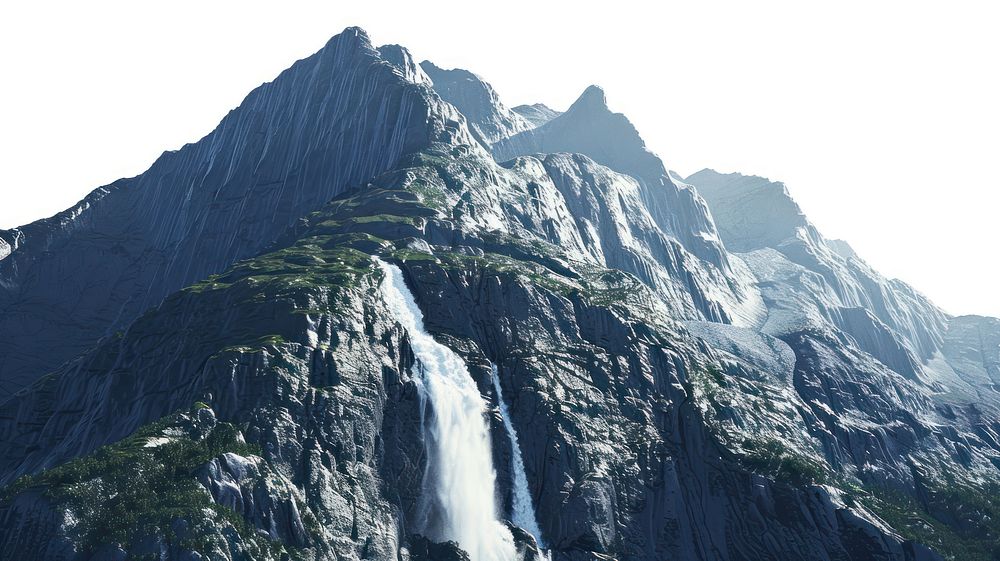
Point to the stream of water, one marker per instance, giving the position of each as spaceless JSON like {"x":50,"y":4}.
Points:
{"x":458,"y":501}
{"x":522,"y":510}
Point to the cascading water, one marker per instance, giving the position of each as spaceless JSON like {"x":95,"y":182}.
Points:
{"x":523,"y":511}
{"x":459,"y":494}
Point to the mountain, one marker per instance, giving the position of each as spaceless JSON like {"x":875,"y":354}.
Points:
{"x":590,"y":127}
{"x":376,"y":314}
{"x":330,"y":122}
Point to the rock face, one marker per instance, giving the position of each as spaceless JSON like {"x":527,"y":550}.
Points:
{"x":678,"y":392}
{"x":588,"y":127}
{"x":401,"y":58}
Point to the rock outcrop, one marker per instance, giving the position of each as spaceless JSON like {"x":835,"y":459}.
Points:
{"x":758,"y":217}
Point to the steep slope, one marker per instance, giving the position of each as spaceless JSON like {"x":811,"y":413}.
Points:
{"x":877,"y":363}
{"x":327,"y":123}
{"x":537,"y":113}
{"x":401,"y":58}
{"x":591,"y":129}
{"x":968,"y":366}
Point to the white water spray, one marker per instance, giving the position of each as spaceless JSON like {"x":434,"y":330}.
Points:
{"x":459,"y":495}
{"x":523,"y":511}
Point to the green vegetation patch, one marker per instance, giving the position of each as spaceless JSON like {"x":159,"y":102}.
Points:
{"x":387,"y":218}
{"x":960,"y":522}
{"x":609,"y":287}
{"x":504,"y":265}
{"x":772,"y":458}
{"x":407,"y":254}
{"x":430,"y":193}
{"x":312,"y":262}
{"x":139,"y":486}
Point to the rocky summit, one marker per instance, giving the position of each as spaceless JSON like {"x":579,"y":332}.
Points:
{"x":377,"y":314}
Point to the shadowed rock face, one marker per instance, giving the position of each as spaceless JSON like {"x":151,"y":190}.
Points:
{"x":270,"y":410}
{"x":606,"y":397}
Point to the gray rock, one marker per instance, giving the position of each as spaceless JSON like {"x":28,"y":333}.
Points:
{"x":589,"y":127}
{"x":758,"y":216}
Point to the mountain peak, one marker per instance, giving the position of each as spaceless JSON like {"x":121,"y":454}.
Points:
{"x":592,"y":98}
{"x":589,"y":127}
{"x":351,"y":37}
{"x":489,"y":119}
{"x":240,"y":346}
{"x":330,"y":121}
{"x":400,"y":57}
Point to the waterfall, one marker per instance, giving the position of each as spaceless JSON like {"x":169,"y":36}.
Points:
{"x":523,"y":511}
{"x":458,"y":501}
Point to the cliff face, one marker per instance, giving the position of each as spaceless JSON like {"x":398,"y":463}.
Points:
{"x":673,"y":399}
{"x":294,"y":350}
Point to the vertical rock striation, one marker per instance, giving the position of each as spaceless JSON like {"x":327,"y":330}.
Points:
{"x":756,"y":215}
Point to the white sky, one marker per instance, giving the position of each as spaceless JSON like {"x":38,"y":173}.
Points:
{"x":882,"y":117}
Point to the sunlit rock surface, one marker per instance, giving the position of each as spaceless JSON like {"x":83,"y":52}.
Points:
{"x":756,"y":216}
